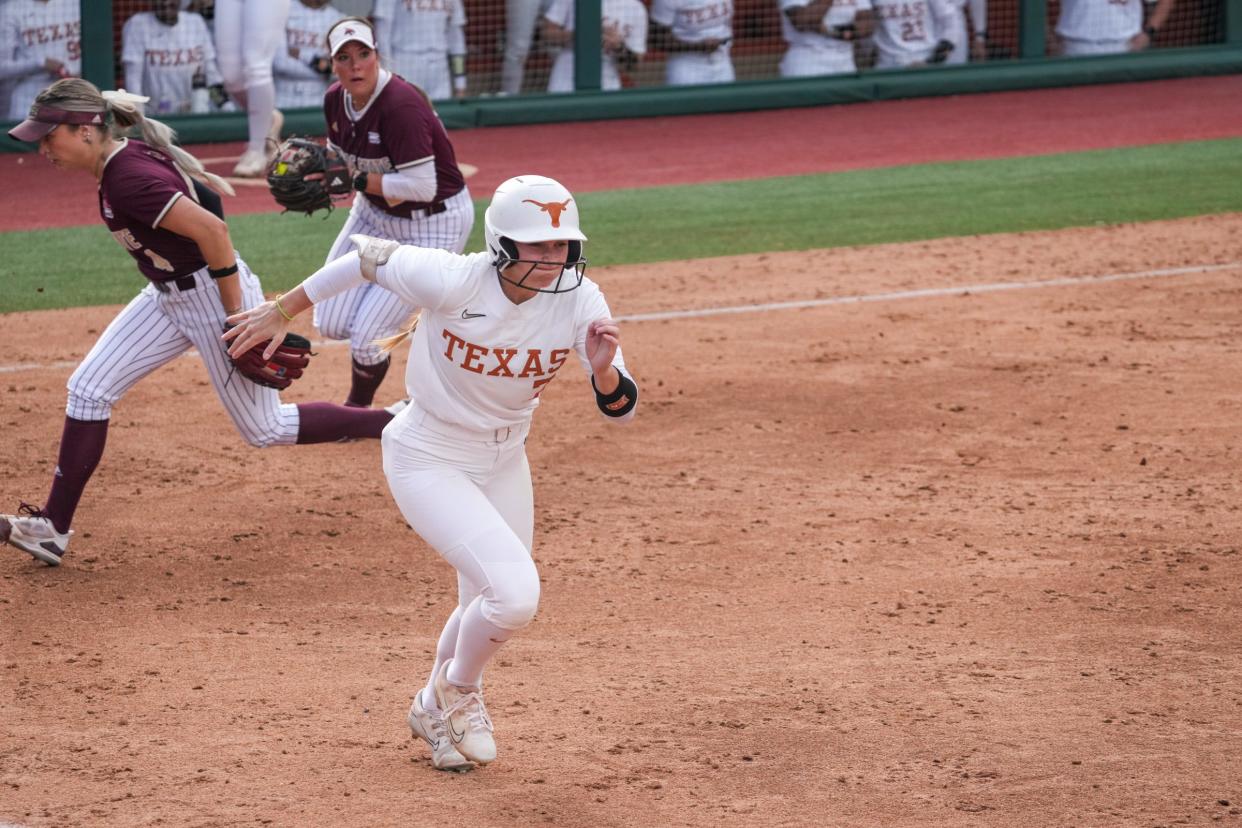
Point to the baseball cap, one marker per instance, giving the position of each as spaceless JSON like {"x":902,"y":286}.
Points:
{"x":43,"y":119}
{"x":347,"y":30}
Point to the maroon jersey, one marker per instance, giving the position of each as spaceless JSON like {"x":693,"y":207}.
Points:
{"x":138,"y":188}
{"x":397,"y":129}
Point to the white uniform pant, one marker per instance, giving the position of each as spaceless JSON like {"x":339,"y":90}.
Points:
{"x":521,"y":19}
{"x":1082,"y":48}
{"x":687,"y":69}
{"x":155,"y":328}
{"x":469,"y":496}
{"x":955,"y":32}
{"x":369,"y":313}
{"x":247,"y":35}
{"x":805,"y":61}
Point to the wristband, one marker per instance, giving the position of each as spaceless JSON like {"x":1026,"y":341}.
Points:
{"x":360,"y":182}
{"x":220,"y":273}
{"x":619,"y":402}
{"x":1150,"y":31}
{"x":283,"y":312}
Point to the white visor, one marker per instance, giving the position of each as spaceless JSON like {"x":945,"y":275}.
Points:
{"x":349,"y":30}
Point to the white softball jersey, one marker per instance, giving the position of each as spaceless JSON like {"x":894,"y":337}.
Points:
{"x":416,"y":37}
{"x":813,"y":53}
{"x":478,"y":360}
{"x":161,"y":61}
{"x":628,"y":17}
{"x":30,"y":33}
{"x":907,"y":30}
{"x":694,"y":21}
{"x":297,"y":83}
{"x":1099,"y":26}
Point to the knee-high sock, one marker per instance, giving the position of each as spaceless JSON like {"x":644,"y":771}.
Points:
{"x":477,"y":641}
{"x":365,"y":381}
{"x":445,"y":648}
{"x":81,"y":446}
{"x":321,"y":422}
{"x":260,"y":101}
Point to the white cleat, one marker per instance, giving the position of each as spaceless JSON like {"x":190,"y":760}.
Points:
{"x":429,"y":726}
{"x":252,"y":164}
{"x":469,"y":727}
{"x":33,"y":533}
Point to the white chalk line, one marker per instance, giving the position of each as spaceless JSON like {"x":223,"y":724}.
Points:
{"x":926,"y":293}
{"x":893,"y":296}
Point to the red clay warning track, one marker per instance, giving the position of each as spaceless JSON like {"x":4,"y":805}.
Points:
{"x":648,"y":152}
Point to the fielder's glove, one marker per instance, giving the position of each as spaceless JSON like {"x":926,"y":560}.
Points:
{"x":281,"y":369}
{"x":297,"y":158}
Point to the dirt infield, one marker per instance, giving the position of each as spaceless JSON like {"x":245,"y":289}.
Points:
{"x":929,"y":561}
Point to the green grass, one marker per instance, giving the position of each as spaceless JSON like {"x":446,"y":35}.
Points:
{"x":83,"y":266}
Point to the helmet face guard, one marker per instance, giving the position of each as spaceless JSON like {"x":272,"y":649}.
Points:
{"x":529,"y":209}
{"x":571,"y":274}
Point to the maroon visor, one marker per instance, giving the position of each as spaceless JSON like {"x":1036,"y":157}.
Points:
{"x":44,"y":119}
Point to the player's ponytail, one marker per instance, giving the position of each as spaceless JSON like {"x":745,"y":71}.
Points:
{"x":125,"y":115}
{"x":121,"y":113}
{"x":389,"y":342}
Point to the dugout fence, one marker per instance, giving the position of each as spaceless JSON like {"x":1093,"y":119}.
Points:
{"x":592,"y":44}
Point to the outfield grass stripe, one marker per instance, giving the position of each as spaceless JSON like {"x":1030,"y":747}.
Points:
{"x":82,"y":266}
{"x":765,"y":307}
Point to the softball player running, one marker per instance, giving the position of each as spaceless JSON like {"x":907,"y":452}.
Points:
{"x":153,"y":199}
{"x":495,"y":330}
{"x":425,"y":43}
{"x":248,"y":35}
{"x":821,"y":35}
{"x":303,"y":68}
{"x":1105,"y":27}
{"x":410,"y":190}
{"x":163,"y":51}
{"x":40,"y":41}
{"x":696,"y":35}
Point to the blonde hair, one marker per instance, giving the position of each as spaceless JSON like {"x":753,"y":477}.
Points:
{"x":121,"y":114}
{"x":389,"y":342}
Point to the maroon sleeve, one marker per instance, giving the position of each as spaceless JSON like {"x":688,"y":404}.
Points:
{"x":144,"y":198}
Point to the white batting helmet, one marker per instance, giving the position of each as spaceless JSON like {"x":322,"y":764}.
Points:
{"x":533,"y":208}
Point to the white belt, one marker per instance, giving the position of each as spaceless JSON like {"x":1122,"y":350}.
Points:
{"x":497,"y":436}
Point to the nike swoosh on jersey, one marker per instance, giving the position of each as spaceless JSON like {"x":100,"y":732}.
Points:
{"x":465,"y":314}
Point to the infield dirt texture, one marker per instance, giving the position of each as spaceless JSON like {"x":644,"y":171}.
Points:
{"x":949,"y":539}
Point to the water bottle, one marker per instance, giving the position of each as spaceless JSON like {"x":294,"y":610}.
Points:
{"x":200,"y":98}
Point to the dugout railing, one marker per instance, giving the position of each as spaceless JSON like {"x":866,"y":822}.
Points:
{"x":1202,"y":37}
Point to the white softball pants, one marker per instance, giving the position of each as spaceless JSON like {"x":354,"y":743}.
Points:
{"x":688,"y":69}
{"x":469,"y":496}
{"x":368,"y":313}
{"x":805,"y":61}
{"x":521,"y":19}
{"x":155,"y":328}
{"x":1084,"y":48}
{"x":247,"y":35}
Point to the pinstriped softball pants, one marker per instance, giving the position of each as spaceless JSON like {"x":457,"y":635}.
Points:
{"x":367,"y":313}
{"x":155,"y":328}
